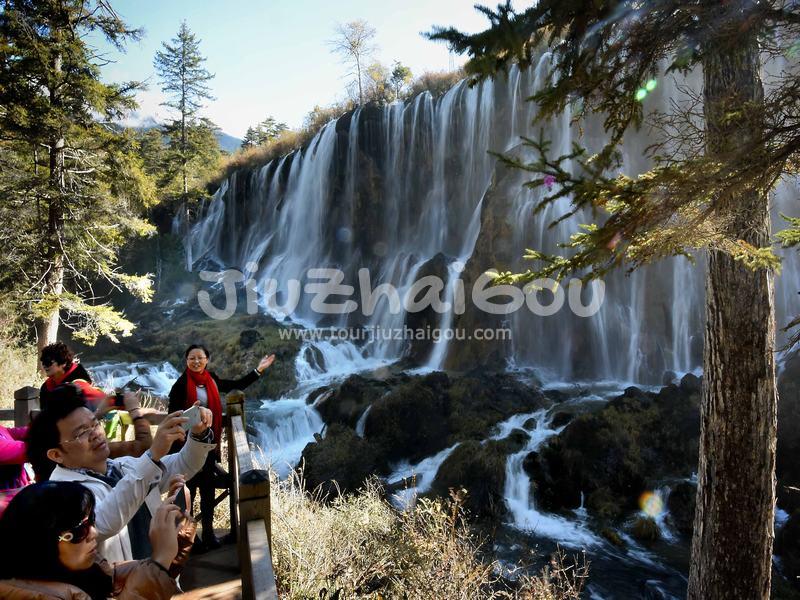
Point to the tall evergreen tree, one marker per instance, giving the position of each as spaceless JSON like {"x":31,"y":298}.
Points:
{"x":184,"y":79}
{"x":708,"y":189}
{"x":269,"y":129}
{"x":65,"y":166}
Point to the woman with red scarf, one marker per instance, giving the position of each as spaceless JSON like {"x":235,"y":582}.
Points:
{"x":197,"y":384}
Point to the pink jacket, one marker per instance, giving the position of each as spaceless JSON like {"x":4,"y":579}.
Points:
{"x":12,"y":456}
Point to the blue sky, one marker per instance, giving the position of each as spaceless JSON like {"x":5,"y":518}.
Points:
{"x":271,"y":58}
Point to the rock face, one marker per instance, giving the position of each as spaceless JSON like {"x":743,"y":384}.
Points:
{"x":413,"y":418}
{"x":341,"y":457}
{"x":619,"y":452}
{"x":480,"y":470}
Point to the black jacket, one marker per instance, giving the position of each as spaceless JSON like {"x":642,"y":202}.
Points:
{"x":177,"y":395}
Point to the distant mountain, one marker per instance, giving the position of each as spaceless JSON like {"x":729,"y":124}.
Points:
{"x":228,"y":143}
{"x":140,"y":122}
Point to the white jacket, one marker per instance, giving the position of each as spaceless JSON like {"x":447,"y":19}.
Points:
{"x":142,"y":481}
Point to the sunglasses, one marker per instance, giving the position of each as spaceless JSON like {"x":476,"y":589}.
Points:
{"x":80,"y":532}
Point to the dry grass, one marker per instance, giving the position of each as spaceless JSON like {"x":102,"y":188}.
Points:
{"x":20,"y":368}
{"x":359,"y":546}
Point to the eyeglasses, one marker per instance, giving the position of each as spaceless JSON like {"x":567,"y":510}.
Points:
{"x":80,"y":532}
{"x":84,"y":432}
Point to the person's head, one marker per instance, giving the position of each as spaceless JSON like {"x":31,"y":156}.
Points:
{"x":66,"y":433}
{"x":47,"y":532}
{"x":56,"y":359}
{"x":196,"y":358}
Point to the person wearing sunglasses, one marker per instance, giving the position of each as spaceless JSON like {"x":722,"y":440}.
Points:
{"x":49,"y":550}
{"x":67,"y":443}
{"x":61,"y":366}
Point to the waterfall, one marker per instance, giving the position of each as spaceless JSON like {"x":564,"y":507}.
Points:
{"x":517,"y":493}
{"x":391,"y":188}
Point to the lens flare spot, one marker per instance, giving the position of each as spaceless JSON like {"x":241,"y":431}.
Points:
{"x":651,"y":504}
{"x":651,"y":85}
{"x":640,"y":94}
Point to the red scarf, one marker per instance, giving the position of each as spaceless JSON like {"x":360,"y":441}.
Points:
{"x":52,"y":383}
{"x":192,"y":381}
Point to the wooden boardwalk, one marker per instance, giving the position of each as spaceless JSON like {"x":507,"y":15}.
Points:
{"x":215,"y":575}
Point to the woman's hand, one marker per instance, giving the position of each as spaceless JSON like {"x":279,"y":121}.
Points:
{"x":206,"y":420}
{"x":164,"y":534}
{"x":265,"y":363}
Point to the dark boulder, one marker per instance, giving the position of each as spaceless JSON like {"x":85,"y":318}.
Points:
{"x":560,"y":419}
{"x":340,"y":462}
{"x":615,"y":454}
{"x":691,"y":384}
{"x":480,"y":470}
{"x":681,"y":505}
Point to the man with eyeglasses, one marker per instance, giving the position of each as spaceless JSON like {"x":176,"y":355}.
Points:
{"x":69,"y":439}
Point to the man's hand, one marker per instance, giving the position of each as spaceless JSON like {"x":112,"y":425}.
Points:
{"x":206,"y":420}
{"x":168,"y":432}
{"x":176,"y":482}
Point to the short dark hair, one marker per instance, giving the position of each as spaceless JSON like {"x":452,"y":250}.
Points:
{"x":196,"y":347}
{"x":43,"y":433}
{"x":58,"y":353}
{"x":29,"y":530}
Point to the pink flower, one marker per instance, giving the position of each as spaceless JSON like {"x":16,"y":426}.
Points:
{"x":549,"y":180}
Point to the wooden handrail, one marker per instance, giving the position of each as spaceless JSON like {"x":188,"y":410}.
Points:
{"x":250,"y":508}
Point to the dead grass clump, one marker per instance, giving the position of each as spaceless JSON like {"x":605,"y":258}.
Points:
{"x":358,"y":546}
{"x":20,"y":368}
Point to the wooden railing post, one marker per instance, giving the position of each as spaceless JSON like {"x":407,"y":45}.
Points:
{"x":26,"y":400}
{"x":234,"y":406}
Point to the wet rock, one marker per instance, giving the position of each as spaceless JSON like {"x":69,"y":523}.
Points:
{"x":409,"y":422}
{"x":645,"y":529}
{"x":560,"y":419}
{"x":348,"y":402}
{"x":691,"y":384}
{"x":480,"y":470}
{"x":419,"y":350}
{"x":668,"y":377}
{"x":618,"y":452}
{"x":612,"y":536}
{"x":681,"y":505}
{"x":515,"y":441}
{"x":340,"y":462}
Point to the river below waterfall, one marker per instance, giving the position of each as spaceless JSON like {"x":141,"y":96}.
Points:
{"x":281,"y":428}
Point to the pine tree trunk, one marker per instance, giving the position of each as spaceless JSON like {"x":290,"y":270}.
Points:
{"x":46,"y":324}
{"x":733,"y":525}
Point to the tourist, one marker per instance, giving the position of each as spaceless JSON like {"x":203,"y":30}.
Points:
{"x":49,"y":549}
{"x":198,"y":384}
{"x":67,"y":439}
{"x":61,"y":366}
{"x":12,"y":460}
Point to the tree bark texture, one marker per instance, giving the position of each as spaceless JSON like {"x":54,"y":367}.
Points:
{"x":733,"y":525}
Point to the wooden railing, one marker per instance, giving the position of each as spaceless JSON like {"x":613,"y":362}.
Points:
{"x":250,"y":508}
{"x":26,"y":401}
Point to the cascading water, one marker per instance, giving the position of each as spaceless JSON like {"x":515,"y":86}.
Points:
{"x":388,"y":189}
